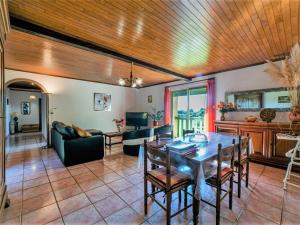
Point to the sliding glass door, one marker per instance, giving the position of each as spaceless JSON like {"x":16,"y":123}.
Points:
{"x":189,"y":109}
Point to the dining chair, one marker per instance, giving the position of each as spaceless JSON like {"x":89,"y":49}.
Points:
{"x":165,"y":178}
{"x":165,"y":131}
{"x":241,"y":162}
{"x":224,"y":174}
{"x":185,"y":132}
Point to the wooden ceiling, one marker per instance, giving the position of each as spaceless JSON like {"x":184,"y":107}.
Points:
{"x":189,"y":37}
{"x":27,"y":52}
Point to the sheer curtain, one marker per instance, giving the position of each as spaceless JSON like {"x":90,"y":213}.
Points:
{"x":211,"y":105}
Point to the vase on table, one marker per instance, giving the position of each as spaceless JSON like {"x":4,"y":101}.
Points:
{"x":222,"y":118}
{"x":294,"y":114}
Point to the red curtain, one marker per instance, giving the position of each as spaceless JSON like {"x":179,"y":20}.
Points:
{"x":211,"y":105}
{"x":167,"y":105}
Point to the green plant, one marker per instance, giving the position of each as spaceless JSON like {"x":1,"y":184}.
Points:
{"x":156,"y":115}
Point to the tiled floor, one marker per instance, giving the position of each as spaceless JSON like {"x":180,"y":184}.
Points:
{"x":110,"y":191}
{"x":24,"y":141}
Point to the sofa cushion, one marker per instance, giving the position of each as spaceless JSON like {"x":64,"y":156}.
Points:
{"x":80,"y":132}
{"x":66,"y":131}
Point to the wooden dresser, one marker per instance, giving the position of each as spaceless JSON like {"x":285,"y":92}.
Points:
{"x":267,"y":148}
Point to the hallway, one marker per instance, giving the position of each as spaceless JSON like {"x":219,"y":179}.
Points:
{"x":24,"y":142}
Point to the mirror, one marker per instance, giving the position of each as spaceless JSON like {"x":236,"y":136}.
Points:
{"x":255,"y":100}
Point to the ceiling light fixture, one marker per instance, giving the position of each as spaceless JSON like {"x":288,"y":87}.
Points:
{"x":131,"y":81}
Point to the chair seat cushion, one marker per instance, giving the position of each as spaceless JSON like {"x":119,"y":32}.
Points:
{"x":224,"y":172}
{"x":176,"y":176}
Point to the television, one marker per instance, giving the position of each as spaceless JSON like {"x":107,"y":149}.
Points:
{"x":137,"y":119}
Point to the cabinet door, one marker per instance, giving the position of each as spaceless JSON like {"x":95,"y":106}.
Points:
{"x":279,"y":147}
{"x":259,"y":139}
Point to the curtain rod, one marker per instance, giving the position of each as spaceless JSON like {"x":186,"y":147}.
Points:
{"x":175,"y":85}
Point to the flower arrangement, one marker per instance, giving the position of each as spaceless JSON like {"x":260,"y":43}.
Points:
{"x":119,"y":123}
{"x":289,"y":75}
{"x":225,"y":108}
{"x":156,"y":116}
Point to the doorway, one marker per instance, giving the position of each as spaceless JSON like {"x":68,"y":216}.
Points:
{"x":189,"y":109}
{"x":26,"y":109}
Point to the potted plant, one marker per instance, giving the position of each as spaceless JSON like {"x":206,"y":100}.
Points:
{"x":225,"y":108}
{"x":289,"y":75}
{"x":119,"y":123}
{"x":156,"y":116}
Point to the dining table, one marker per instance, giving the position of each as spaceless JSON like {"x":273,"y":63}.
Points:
{"x":206,"y":145}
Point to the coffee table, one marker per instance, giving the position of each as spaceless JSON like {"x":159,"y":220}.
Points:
{"x":110,"y":135}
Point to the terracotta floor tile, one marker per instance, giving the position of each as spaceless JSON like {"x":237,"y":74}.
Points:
{"x":35,"y":182}
{"x":14,"y":179}
{"x":292,"y":202}
{"x":99,"y":193}
{"x":250,"y":218}
{"x":138,"y":206}
{"x":15,"y":197}
{"x":56,"y":170}
{"x":109,"y":205}
{"x":41,"y":216}
{"x":290,"y":218}
{"x":110,"y":177}
{"x":59,"y":176}
{"x":267,"y":197}
{"x":14,"y":221}
{"x":14,"y":187}
{"x":74,"y":203}
{"x":90,"y":184}
{"x":135,"y":178}
{"x":11,"y":212}
{"x":131,"y":194}
{"x":119,"y":185}
{"x":63,"y":183}
{"x":79,"y":170}
{"x":38,"y":202}
{"x":35,"y":175}
{"x":265,"y":210}
{"x":84,"y":176}
{"x":56,"y":222}
{"x":67,"y":192}
{"x":36,"y":191}
{"x":126,"y":216}
{"x":125,"y":172}
{"x":87,"y":216}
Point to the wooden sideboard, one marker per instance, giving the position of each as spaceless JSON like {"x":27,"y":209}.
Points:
{"x":267,"y":148}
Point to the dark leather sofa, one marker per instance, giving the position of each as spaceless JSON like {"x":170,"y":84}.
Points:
{"x":72,"y":149}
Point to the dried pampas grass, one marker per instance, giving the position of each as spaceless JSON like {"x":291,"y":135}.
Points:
{"x":288,"y":73}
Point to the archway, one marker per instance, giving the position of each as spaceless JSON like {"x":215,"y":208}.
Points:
{"x":24,"y":85}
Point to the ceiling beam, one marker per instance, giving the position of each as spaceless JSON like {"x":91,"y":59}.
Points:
{"x":28,"y":27}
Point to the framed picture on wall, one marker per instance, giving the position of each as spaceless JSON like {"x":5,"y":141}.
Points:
{"x":25,"y":108}
{"x":102,"y":102}
{"x":149,"y":98}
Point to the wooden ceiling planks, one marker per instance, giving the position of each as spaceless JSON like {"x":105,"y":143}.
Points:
{"x":190,"y":37}
{"x":26,"y":52}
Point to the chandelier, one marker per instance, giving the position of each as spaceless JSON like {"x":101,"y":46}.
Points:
{"x":131,"y":81}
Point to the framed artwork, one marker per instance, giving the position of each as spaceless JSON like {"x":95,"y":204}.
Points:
{"x":25,"y":108}
{"x":102,"y":102}
{"x":284,"y":99}
{"x":149,"y":98}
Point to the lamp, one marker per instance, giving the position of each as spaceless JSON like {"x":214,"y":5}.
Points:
{"x":131,"y":81}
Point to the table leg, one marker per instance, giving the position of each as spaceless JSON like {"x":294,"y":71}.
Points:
{"x":110,"y":143}
{"x":196,"y":205}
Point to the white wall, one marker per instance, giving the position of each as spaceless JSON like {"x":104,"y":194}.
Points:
{"x":250,"y":78}
{"x":15,"y":100}
{"x":71,"y":101}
